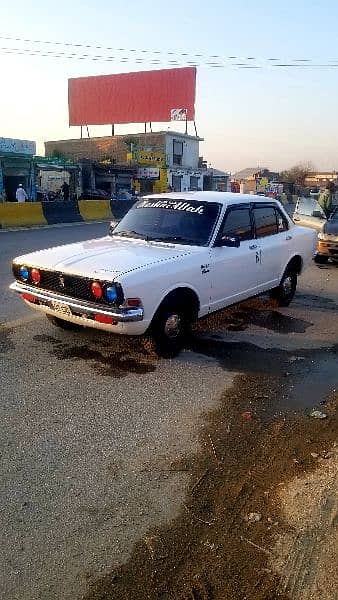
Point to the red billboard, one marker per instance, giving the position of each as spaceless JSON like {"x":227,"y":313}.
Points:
{"x":140,"y":97}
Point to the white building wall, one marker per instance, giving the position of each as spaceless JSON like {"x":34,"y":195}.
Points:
{"x":190,"y":150}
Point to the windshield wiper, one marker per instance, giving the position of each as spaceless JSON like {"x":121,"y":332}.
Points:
{"x":130,"y":233}
{"x":174,"y":239}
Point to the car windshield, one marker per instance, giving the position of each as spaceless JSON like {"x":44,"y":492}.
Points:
{"x":163,"y":219}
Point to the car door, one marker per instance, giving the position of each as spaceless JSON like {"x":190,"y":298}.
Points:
{"x":274,"y":239}
{"x":234,"y":270}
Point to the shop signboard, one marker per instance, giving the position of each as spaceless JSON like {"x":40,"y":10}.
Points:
{"x":148,"y":158}
{"x":148,"y":173}
{"x":12,"y":146}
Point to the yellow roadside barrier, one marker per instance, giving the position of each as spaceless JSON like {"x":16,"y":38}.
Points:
{"x":93,"y":210}
{"x":16,"y":214}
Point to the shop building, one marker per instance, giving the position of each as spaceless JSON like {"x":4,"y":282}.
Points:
{"x":16,"y":166}
{"x":51,"y":174}
{"x":149,"y":163}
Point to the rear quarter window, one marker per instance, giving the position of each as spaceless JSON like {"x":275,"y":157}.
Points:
{"x":265,"y":221}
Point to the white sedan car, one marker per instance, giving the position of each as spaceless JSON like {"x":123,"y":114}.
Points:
{"x":172,"y":259}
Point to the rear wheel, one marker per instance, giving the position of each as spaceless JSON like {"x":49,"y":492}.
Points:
{"x":170,"y":329}
{"x":62,"y":324}
{"x":286,"y":290}
{"x":321,"y":259}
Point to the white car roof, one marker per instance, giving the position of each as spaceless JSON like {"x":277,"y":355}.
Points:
{"x":224,"y":198}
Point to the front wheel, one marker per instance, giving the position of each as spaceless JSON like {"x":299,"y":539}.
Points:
{"x":286,"y":290}
{"x":62,"y":324}
{"x":170,"y":328}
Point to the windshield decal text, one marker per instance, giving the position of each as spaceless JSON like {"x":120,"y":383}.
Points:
{"x":173,"y":205}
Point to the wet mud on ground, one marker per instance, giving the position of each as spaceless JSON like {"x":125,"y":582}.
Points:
{"x":228,"y":541}
{"x":239,"y":535}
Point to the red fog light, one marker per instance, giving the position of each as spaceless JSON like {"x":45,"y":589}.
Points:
{"x":96,"y":289}
{"x":28,"y":297}
{"x":105,"y":319}
{"x":35,"y":275}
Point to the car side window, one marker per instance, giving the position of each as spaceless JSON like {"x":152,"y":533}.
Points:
{"x":238,"y":222}
{"x":281,"y":221}
{"x":266,"y":221}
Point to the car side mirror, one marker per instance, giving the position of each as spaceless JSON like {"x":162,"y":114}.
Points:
{"x":229,"y":241}
{"x":317,"y":214}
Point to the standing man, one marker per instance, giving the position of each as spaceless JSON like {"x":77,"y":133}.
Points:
{"x":20,"y":194}
{"x":65,"y":190}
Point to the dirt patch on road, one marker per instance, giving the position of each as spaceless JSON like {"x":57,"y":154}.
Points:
{"x":243,"y":530}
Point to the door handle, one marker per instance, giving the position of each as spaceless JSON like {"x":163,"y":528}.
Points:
{"x":253,"y":247}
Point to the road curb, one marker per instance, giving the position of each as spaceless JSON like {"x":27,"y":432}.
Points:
{"x":52,"y":226}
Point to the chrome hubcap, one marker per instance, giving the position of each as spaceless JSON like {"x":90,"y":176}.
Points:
{"x":172,"y":326}
{"x":287,"y":285}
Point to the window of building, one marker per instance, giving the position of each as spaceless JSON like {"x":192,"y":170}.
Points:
{"x":176,"y":183}
{"x":266,"y":221}
{"x":177,"y":152}
{"x":238,"y":222}
{"x":194,"y":183}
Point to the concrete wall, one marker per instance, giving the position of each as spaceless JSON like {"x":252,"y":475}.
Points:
{"x":100,"y":148}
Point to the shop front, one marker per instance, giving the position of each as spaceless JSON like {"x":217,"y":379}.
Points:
{"x":16,"y":167}
{"x":151,"y":180}
{"x":185,"y":180}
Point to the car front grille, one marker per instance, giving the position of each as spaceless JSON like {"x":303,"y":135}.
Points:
{"x":68,"y":285}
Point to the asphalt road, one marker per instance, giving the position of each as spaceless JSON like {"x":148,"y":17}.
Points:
{"x":94,"y":432}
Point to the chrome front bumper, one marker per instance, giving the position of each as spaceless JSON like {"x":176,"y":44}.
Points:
{"x":78,"y":307}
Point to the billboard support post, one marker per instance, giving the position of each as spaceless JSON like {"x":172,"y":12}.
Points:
{"x":87,"y":131}
{"x":195,"y":128}
{"x":186,"y":126}
{"x":81,"y":131}
{"x":113,"y":129}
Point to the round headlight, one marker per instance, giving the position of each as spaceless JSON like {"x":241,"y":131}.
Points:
{"x":111,"y":293}
{"x":24,"y":273}
{"x":96,"y":289}
{"x":35,"y":275}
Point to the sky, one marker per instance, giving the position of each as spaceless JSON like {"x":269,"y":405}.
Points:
{"x":272,"y":117}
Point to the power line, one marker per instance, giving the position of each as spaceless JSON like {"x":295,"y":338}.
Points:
{"x":136,"y":60}
{"x":130,"y":56}
{"x":147,"y":51}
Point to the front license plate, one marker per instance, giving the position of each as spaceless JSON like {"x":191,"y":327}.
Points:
{"x":61,"y":308}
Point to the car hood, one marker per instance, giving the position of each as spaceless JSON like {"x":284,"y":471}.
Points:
{"x":105,"y":256}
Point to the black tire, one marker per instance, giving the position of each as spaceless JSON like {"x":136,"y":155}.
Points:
{"x":170,"y":329}
{"x":321,"y":259}
{"x":286,"y":290}
{"x":62,"y":324}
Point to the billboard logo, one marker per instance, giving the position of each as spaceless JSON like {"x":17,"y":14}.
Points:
{"x":178,"y":114}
